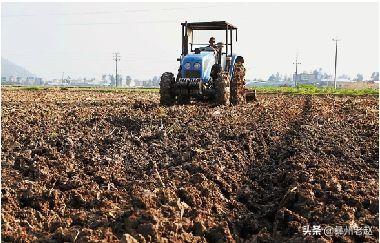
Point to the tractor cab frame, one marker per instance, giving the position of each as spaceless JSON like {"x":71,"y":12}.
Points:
{"x":188,"y":40}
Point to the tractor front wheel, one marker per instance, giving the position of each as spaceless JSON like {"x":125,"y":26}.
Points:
{"x":166,"y":96}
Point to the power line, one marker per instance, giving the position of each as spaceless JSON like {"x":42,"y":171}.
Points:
{"x":111,"y":12}
{"x":126,"y":23}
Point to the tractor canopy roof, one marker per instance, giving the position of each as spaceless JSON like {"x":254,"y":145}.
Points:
{"x":213,"y":25}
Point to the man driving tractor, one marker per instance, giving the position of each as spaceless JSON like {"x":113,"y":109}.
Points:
{"x":212,"y":43}
{"x":211,"y":46}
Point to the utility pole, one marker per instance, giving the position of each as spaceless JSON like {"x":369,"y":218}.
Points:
{"x":116,"y":58}
{"x":62,"y":77}
{"x":296,"y":63}
{"x":336,"y":58}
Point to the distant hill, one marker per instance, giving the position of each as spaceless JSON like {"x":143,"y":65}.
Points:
{"x":8,"y":68}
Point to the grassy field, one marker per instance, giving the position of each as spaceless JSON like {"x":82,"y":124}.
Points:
{"x":96,"y":89}
{"x":302,"y":89}
{"x":310,"y":89}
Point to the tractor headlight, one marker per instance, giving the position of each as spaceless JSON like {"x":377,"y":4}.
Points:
{"x":187,"y":65}
{"x":197,"y":65}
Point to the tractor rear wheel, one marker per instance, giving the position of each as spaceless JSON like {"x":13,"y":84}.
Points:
{"x":166,"y":96}
{"x":222,"y":87}
{"x":237,"y":85}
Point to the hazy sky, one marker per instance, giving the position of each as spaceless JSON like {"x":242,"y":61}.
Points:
{"x":79,"y":38}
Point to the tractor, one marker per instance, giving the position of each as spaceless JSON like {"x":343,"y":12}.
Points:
{"x":206,"y":72}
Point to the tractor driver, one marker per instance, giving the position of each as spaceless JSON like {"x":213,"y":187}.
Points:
{"x":212,"y":43}
{"x":211,"y":46}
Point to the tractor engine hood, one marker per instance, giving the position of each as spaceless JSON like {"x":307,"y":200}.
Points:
{"x":198,"y":65}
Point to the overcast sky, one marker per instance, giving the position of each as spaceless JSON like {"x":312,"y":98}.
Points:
{"x":79,"y":38}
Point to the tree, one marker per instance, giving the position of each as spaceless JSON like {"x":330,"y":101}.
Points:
{"x":272,"y":78}
{"x":149,"y":83}
{"x":318,"y":71}
{"x":375,"y":76}
{"x":104,"y":78}
{"x":278,"y":76}
{"x":275,"y":77}
{"x":137,"y":82}
{"x":359,"y":77}
{"x":112,"y":78}
{"x":321,"y":74}
{"x":326,"y":76}
{"x":119,"y":80}
{"x":128,"y":80}
{"x":156,"y":81}
{"x":344,"y":76}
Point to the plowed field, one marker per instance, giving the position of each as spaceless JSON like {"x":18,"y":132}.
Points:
{"x":86,"y":166}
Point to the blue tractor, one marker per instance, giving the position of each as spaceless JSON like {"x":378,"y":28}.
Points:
{"x":207,"y":71}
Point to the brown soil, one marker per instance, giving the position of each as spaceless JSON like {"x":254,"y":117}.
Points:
{"x":86,"y":166}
